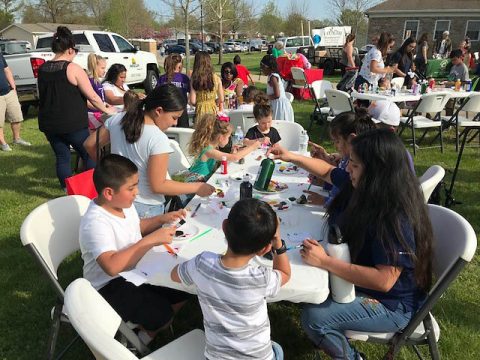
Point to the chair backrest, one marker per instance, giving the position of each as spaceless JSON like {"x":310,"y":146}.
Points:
{"x":339,"y":101}
{"x":177,"y":161}
{"x":289,"y":96}
{"x":289,"y":132}
{"x":319,"y":87}
{"x":398,"y":82}
{"x":50,"y":232}
{"x":299,"y":79}
{"x":432,"y":103}
{"x":454,"y":239}
{"x":242,"y":118}
{"x":180,"y":135}
{"x":95,"y":321}
{"x":473,"y":103}
{"x":454,"y":245}
{"x":430,"y":179}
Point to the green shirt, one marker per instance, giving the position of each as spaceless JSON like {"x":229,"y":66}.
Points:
{"x":204,"y":168}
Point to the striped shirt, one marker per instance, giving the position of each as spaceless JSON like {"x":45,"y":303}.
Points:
{"x":234,"y":306}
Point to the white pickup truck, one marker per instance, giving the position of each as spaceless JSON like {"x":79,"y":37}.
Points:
{"x":141,"y":66}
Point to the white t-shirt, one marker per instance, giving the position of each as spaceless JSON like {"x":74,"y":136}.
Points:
{"x":152,"y":141}
{"x":373,"y":54}
{"x":101,"y":231}
{"x":116,"y":91}
{"x":234,"y":306}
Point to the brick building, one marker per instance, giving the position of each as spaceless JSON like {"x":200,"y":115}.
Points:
{"x":404,"y":18}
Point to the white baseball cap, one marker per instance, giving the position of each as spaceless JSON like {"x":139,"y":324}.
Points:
{"x":446,"y":32}
{"x":385,"y":111}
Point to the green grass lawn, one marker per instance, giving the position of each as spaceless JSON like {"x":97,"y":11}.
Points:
{"x":27,"y":179}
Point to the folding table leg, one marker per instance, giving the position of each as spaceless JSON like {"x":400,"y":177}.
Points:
{"x":449,"y":200}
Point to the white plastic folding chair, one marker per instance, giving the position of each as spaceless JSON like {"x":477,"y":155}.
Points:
{"x":289,"y":96}
{"x":428,"y":103}
{"x":50,"y":233}
{"x":97,"y":323}
{"x":397,"y":82}
{"x":177,"y":161}
{"x":339,"y":101}
{"x":244,"y":119}
{"x":454,"y":246}
{"x":181,"y":135}
{"x":430,"y":179}
{"x":320,"y":113}
{"x":471,"y":104}
{"x":289,"y":132}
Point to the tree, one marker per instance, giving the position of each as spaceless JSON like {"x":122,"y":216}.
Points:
{"x":128,"y":17}
{"x":97,"y":9}
{"x":218,"y":16}
{"x":354,"y":18}
{"x":185,"y":8}
{"x":270,"y":21}
{"x":56,"y":11}
{"x":295,"y":20}
{"x":7,"y":10}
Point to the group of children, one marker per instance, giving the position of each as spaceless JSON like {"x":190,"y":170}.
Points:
{"x":232,"y":293}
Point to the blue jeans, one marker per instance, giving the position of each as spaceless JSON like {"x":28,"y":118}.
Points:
{"x":60,"y":144}
{"x":326,"y":323}
{"x":277,"y":351}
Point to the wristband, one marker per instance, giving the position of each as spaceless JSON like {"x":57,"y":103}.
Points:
{"x":281,"y":250}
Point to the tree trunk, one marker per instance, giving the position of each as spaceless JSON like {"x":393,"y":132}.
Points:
{"x":220,"y":53}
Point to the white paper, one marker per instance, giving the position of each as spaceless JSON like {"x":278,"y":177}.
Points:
{"x":135,"y":276}
{"x":296,"y":238}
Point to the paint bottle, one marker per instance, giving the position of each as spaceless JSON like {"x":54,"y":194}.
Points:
{"x":224,"y":165}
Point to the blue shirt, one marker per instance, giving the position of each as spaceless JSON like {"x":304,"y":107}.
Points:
{"x":4,"y":84}
{"x":373,"y":253}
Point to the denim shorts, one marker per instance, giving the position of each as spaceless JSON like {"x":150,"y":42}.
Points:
{"x":145,"y":211}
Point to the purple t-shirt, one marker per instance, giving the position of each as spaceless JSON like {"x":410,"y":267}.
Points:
{"x":180,"y":80}
{"x":97,"y":86}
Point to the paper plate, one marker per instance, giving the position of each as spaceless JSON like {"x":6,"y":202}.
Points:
{"x":185,"y":232}
{"x":282,"y":188}
{"x":287,"y":168}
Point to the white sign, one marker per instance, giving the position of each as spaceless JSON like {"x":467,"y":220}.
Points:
{"x":332,"y":36}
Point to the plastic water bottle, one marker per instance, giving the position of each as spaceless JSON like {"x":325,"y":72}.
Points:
{"x":238,"y":136}
{"x":303,"y":142}
{"x":246,"y":188}
{"x":342,"y":291}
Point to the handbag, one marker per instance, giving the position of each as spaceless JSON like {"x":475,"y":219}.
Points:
{"x":81,"y":184}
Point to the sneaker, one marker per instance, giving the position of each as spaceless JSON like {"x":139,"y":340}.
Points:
{"x":6,"y":147}
{"x":20,"y":141}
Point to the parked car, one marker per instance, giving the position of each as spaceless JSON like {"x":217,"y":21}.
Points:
{"x":169,"y":42}
{"x":236,"y":47}
{"x":214,"y":45}
{"x":243,"y":47}
{"x":257,"y":45}
{"x":292,"y":43}
{"x":196,"y":46}
{"x":228,"y":47}
{"x":177,"y":49}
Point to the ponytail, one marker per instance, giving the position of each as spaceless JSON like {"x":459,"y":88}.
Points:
{"x":166,"y":96}
{"x":262,"y":107}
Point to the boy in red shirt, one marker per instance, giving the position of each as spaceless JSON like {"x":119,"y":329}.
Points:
{"x":243,"y":72}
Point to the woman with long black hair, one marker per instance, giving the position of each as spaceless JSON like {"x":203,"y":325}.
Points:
{"x":404,"y":58}
{"x":381,"y":214}
{"x":139,"y":136}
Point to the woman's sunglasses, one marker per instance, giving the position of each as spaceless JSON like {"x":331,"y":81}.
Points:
{"x":76,"y":50}
{"x":227,"y":71}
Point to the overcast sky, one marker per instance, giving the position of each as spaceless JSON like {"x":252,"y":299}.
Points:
{"x":317,"y":9}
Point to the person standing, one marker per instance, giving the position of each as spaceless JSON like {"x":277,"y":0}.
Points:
{"x":422,"y":54}
{"x":243,"y":72}
{"x":64,"y":88}
{"x":9,"y":107}
{"x":404,"y":58}
{"x":444,"y":47}
{"x":173,"y":75}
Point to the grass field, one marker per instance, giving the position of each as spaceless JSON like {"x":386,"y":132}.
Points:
{"x":27,"y":179}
